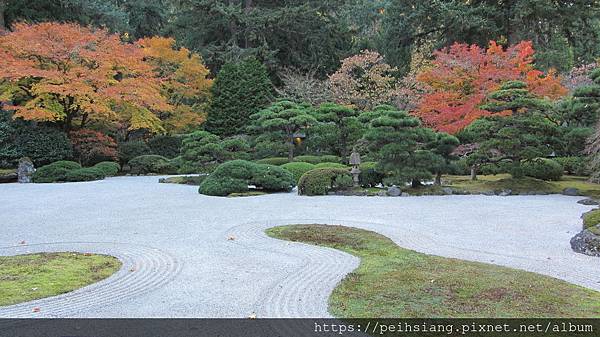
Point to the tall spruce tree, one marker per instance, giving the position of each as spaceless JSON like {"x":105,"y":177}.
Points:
{"x":240,"y":90}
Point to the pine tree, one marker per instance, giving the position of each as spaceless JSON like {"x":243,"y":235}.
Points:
{"x":240,"y":90}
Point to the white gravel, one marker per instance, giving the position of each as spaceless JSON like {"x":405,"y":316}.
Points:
{"x":179,"y":241}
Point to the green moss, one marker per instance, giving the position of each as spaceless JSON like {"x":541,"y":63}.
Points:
{"x":29,"y":277}
{"x":246,"y":194}
{"x":184,"y":180}
{"x":396,"y":282}
{"x":591,"y":219}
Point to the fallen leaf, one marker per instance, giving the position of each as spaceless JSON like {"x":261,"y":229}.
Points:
{"x":36,"y":309}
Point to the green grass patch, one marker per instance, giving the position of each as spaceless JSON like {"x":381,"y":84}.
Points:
{"x":246,"y":194}
{"x":7,"y":171}
{"x":184,"y":180}
{"x":33,"y":276}
{"x":396,"y":282}
{"x":591,"y":219}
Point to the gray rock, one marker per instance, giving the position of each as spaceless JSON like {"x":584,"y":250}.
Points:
{"x":505,"y":193}
{"x":571,"y":191}
{"x":25,"y":170}
{"x":405,"y":194}
{"x":489,"y":193}
{"x":448,"y":190}
{"x":588,"y":202}
{"x":8,"y":178}
{"x":382,"y":194}
{"x":394,"y":191}
{"x":586,"y":243}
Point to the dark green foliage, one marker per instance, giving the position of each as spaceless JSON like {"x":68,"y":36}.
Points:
{"x":273,"y":161}
{"x":55,"y":172}
{"x":320,"y":181}
{"x":203,"y":151}
{"x":584,"y":108}
{"x":151,"y":164}
{"x":298,"y":169}
{"x":235,"y":177}
{"x":240,"y":90}
{"x":319,"y":159}
{"x":542,"y":168}
{"x":514,"y":96}
{"x":108,"y":168}
{"x":574,"y":165}
{"x":346,"y":127}
{"x":131,"y":149}
{"x":369,"y":176}
{"x":40,"y":143}
{"x":85,"y":174}
{"x":406,"y":151}
{"x":512,"y":139}
{"x":166,"y":146}
{"x":572,"y":140}
{"x":331,"y":165}
{"x":284,"y":119}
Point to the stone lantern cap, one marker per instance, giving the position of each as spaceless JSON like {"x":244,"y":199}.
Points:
{"x":355,"y":158}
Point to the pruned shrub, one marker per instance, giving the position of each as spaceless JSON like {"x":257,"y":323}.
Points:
{"x":542,"y":168}
{"x":84,"y":174}
{"x":273,"y":161}
{"x":574,"y":165}
{"x":131,"y":149}
{"x":330,"y":165}
{"x":55,"y":172}
{"x":298,"y":169}
{"x":166,"y":146}
{"x":322,"y":180}
{"x":151,"y":164}
{"x":235,"y":177}
{"x":91,"y":147}
{"x":318,"y":159}
{"x":108,"y":168}
{"x":369,"y":176}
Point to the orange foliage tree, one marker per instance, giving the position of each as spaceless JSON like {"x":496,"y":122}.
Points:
{"x":462,"y":75}
{"x":185,"y":82}
{"x":74,"y":76}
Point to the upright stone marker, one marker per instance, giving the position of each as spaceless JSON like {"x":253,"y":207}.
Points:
{"x":25,"y":170}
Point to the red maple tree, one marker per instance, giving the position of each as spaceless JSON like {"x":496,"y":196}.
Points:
{"x":462,"y":75}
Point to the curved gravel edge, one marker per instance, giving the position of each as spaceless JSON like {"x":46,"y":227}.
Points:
{"x":143,"y":269}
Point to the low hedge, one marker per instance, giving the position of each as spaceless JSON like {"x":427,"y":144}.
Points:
{"x":151,"y":164}
{"x":369,"y":176}
{"x":235,"y":176}
{"x":298,"y":169}
{"x":320,"y":181}
{"x":542,"y":168}
{"x":574,"y":165}
{"x":273,"y":161}
{"x":318,"y":159}
{"x":108,"y":168}
{"x":55,"y":172}
{"x":84,"y":174}
{"x":330,"y":165}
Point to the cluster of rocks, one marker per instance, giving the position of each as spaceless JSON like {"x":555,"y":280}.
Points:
{"x":586,"y":242}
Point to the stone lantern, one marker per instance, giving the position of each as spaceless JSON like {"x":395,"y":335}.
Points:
{"x":355,"y":162}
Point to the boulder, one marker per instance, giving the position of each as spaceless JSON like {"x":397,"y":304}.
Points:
{"x":586,"y":243}
{"x":447,"y":191}
{"x":25,"y":170}
{"x":404,"y":194}
{"x":571,"y":191}
{"x":505,"y":193}
{"x":588,"y":202}
{"x":394,"y":191}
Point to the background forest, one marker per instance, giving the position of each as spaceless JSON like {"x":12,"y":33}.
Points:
{"x":419,"y":88}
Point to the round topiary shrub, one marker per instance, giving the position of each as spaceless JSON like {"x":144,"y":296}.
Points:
{"x":55,"y":172}
{"x":542,"y":168}
{"x":330,"y":165}
{"x":84,"y":174}
{"x":166,"y":146}
{"x":235,"y":176}
{"x":151,"y":164}
{"x":318,"y":159}
{"x":298,"y":169}
{"x":322,"y":180}
{"x":369,"y":176}
{"x":131,"y":149}
{"x":273,"y":161}
{"x":108,"y":168}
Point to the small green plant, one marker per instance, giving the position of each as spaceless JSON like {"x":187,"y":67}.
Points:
{"x":108,"y":168}
{"x":322,"y":180}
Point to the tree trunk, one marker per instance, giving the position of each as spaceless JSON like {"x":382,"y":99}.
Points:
{"x":291,"y":149}
{"x":438,"y":179}
{"x":416,"y":183}
{"x":3,"y":4}
{"x":474,"y":172}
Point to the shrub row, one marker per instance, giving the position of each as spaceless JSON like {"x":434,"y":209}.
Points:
{"x":542,"y":168}
{"x":236,"y":176}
